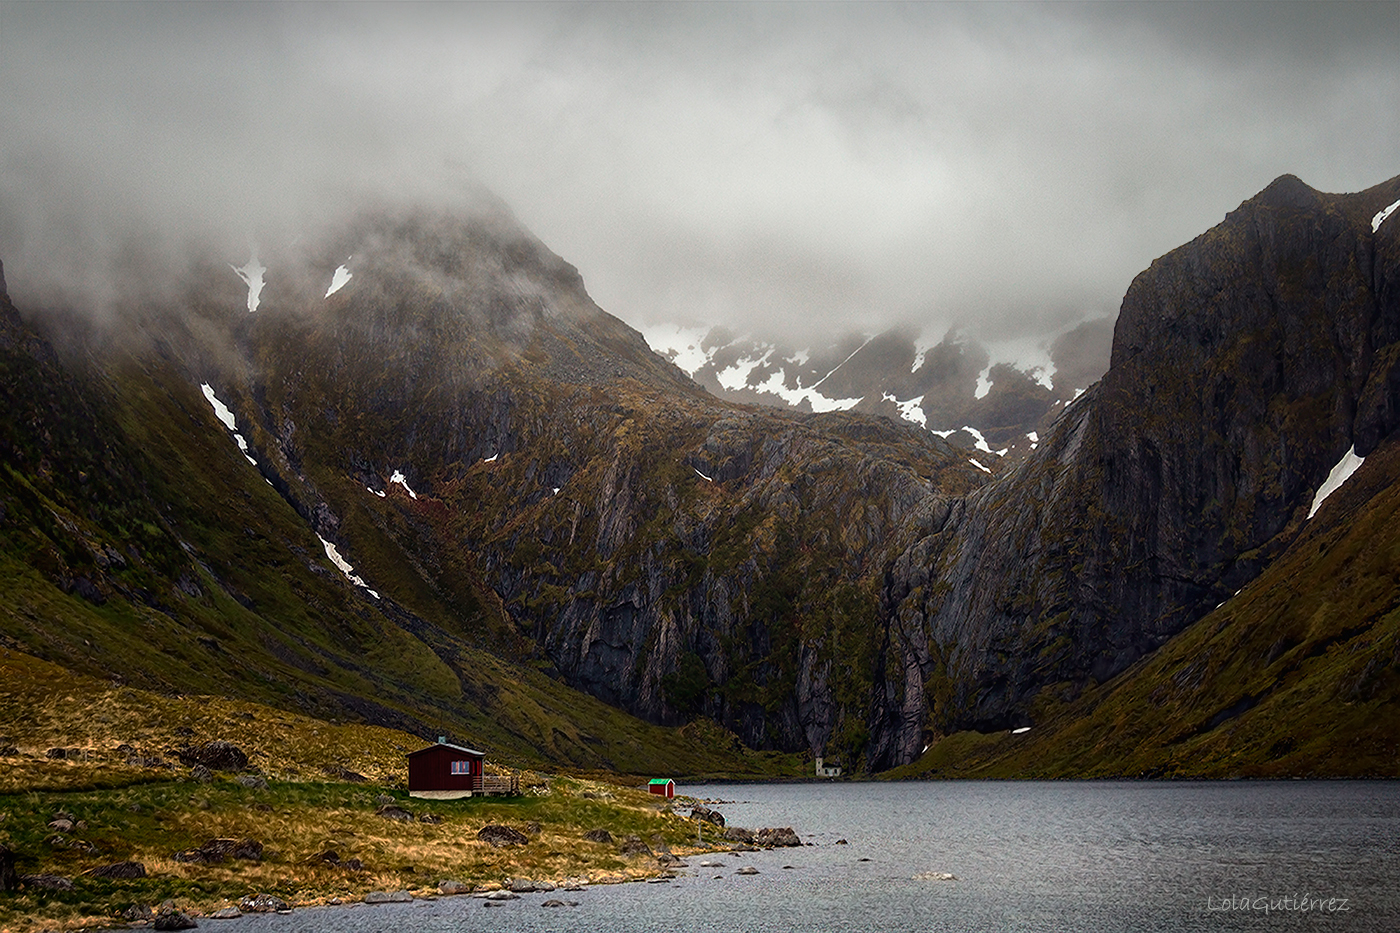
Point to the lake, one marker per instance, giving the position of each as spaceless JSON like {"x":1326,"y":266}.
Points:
{"x":1094,"y":857}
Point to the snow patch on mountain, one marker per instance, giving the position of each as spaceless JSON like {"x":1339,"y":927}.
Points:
{"x":402,"y":480}
{"x":1342,"y":472}
{"x":921,"y":348}
{"x":252,"y":276}
{"x":1380,"y":217}
{"x":342,"y":275}
{"x":984,"y":384}
{"x":980,"y":442}
{"x":736,"y":377}
{"x":344,"y":567}
{"x":910,"y":410}
{"x":868,"y":338}
{"x":681,"y":345}
{"x":221,"y":411}
{"x":775,"y":385}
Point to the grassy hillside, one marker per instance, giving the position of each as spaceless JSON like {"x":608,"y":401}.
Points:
{"x":1294,"y":676}
{"x":129,"y":798}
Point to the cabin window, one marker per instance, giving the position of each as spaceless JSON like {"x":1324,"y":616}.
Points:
{"x":461,"y":767}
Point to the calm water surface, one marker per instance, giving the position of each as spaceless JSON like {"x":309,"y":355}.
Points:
{"x":1056,"y":857}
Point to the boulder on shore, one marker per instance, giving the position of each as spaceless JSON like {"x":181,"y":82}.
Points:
{"x":262,"y":904}
{"x":708,"y":815}
{"x":777,"y":837}
{"x":450,"y":886}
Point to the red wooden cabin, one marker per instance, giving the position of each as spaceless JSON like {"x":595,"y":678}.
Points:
{"x":445,"y":771}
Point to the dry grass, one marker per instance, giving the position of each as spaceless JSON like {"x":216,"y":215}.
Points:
{"x":149,"y":814}
{"x":43,"y":706}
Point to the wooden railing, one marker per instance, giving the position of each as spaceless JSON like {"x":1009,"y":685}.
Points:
{"x":500,"y":784}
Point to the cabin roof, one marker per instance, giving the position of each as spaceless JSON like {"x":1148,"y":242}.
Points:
{"x":661,"y":781}
{"x":455,"y":748}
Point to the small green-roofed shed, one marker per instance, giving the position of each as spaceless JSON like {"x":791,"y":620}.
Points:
{"x":662,"y":787}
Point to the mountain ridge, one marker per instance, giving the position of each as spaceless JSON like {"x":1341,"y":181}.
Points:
{"x":514,"y":473}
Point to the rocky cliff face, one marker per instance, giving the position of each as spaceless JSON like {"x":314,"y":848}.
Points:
{"x":513,"y":468}
{"x":666,"y":552}
{"x":1244,"y":365}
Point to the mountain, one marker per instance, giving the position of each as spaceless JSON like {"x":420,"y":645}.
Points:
{"x":524,"y":513}
{"x":1245,"y":365}
{"x":997,"y":400}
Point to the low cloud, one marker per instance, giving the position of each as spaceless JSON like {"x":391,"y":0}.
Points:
{"x":787,"y":169}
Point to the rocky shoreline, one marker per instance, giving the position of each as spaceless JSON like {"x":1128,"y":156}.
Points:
{"x":518,"y":868}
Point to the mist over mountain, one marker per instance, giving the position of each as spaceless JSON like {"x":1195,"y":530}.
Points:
{"x":799,"y":171}
{"x":425,"y":480}
{"x":998,"y":401}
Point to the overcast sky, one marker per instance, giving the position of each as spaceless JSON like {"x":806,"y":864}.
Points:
{"x":997,"y":166}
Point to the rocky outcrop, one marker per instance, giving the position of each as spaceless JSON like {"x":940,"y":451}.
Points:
{"x":497,"y":836}
{"x":217,"y":755}
{"x":391,"y":811}
{"x":216,"y":851}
